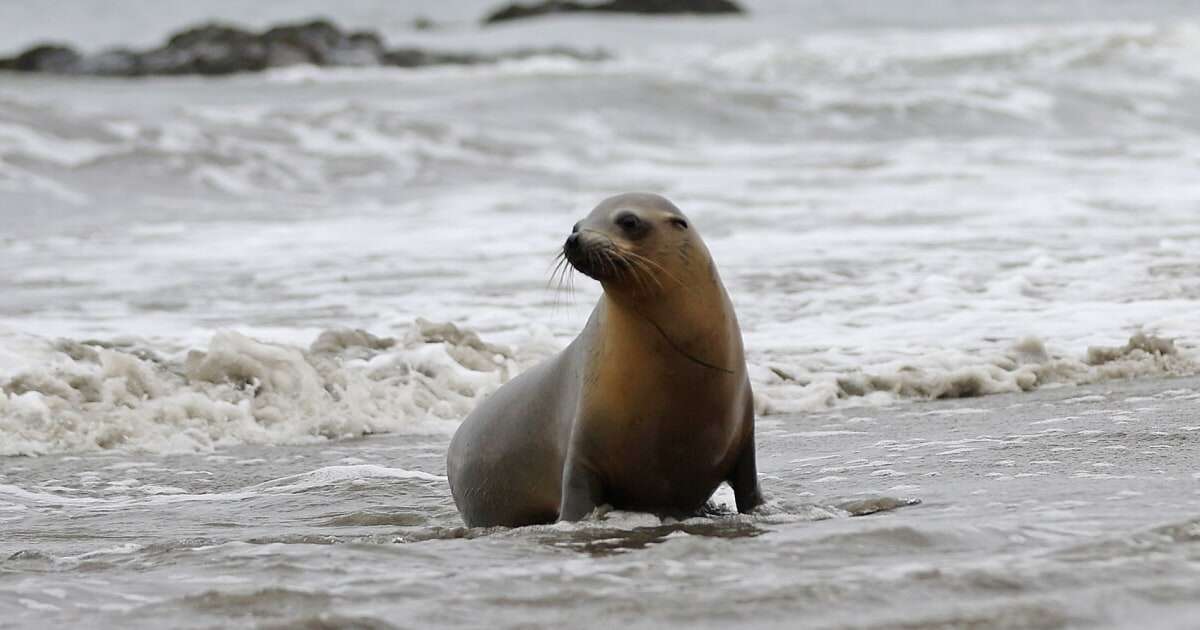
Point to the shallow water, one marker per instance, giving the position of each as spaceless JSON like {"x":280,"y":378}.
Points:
{"x":1071,"y":507}
{"x":912,"y":202}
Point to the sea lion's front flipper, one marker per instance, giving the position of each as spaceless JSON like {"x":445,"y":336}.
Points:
{"x":744,"y":478}
{"x":582,"y":491}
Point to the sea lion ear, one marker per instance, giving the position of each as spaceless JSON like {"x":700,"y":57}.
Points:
{"x":679,"y":222}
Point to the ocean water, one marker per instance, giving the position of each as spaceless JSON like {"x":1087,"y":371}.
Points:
{"x":240,"y":317}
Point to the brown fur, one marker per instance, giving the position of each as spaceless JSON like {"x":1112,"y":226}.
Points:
{"x":649,"y":408}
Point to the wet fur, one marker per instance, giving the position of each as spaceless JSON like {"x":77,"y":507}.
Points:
{"x":649,"y":408}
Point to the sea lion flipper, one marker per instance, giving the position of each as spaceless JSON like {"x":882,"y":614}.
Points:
{"x":581,"y":491}
{"x":744,"y":478}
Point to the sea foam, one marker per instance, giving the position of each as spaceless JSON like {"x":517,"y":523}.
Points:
{"x":84,"y":396}
{"x":243,"y":391}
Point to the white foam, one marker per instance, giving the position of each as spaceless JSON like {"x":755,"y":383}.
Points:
{"x":332,"y":475}
{"x":242,"y":391}
{"x":1025,"y":366}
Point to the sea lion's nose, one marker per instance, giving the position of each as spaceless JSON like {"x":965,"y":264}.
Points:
{"x":573,"y":240}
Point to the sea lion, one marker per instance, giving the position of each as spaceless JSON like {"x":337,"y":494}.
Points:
{"x":648,"y":409}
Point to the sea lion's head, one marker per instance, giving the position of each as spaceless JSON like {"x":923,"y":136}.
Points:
{"x":636,"y":243}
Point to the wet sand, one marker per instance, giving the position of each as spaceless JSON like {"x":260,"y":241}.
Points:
{"x":1068,"y":507}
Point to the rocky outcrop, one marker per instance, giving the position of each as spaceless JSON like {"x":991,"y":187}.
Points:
{"x":519,"y":11}
{"x":216,"y":49}
{"x":44,"y":58}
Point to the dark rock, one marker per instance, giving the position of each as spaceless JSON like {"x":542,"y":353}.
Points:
{"x":321,"y":43}
{"x":311,"y":41}
{"x":314,"y":38}
{"x":112,"y":63}
{"x":519,"y":11}
{"x":210,"y":35}
{"x":209,"y":49}
{"x":47,"y":58}
{"x":217,"y":49}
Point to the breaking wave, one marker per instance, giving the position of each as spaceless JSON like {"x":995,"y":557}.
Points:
{"x":1026,"y":366}
{"x":94,"y":396}
{"x":88,"y":395}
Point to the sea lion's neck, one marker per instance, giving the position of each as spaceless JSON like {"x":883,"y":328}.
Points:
{"x":697,"y":323}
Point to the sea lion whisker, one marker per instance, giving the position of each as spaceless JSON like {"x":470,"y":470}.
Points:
{"x":619,"y":270}
{"x":561,"y":272}
{"x":644,"y":268}
{"x":591,"y":258}
{"x":559,"y":289}
{"x":650,"y":261}
{"x":605,"y":255}
{"x":632,"y":270}
{"x":564,"y":267}
{"x":648,"y":273}
{"x":657,"y":266}
{"x":597,"y":262}
{"x":639,"y":271}
{"x":559,"y":261}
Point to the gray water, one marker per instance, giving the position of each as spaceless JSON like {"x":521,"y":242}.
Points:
{"x":993,"y":203}
{"x":1073,"y":507}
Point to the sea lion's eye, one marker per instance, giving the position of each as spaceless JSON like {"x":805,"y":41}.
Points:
{"x":629,"y":222}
